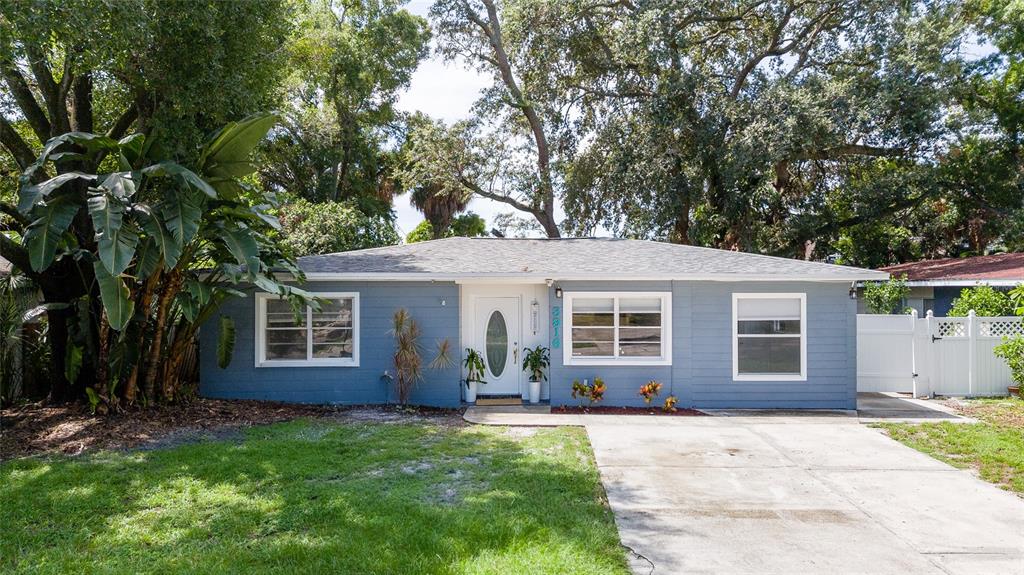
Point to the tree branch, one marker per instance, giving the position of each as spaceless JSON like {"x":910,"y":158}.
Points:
{"x":476,"y":189}
{"x":12,"y":211}
{"x":48,"y":87}
{"x":26,"y":100}
{"x":123,"y":122}
{"x":14,"y":143}
{"x":13,"y":252}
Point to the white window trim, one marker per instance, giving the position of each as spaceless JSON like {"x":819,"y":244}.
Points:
{"x":736,"y":375}
{"x":261,"y":321}
{"x":666,"y":328}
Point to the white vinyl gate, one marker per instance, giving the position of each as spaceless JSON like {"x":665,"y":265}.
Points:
{"x":940,"y":355}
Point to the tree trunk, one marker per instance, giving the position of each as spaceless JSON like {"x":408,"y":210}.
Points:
{"x":57,"y":321}
{"x":153,"y":367}
{"x":547,"y":221}
{"x":131,"y":389}
{"x":681,"y":228}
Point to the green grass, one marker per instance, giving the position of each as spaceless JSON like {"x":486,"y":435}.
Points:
{"x":994,"y":447}
{"x":317,"y":497}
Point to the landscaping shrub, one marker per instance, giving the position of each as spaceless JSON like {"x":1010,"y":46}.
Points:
{"x":984,"y":300}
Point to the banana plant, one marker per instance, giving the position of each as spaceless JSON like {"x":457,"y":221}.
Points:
{"x":161,"y":244}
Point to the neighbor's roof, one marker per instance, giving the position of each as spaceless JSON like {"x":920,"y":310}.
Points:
{"x":565,"y":259}
{"x":997,"y":268}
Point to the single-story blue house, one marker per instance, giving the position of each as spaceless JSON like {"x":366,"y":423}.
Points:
{"x":719,"y":329}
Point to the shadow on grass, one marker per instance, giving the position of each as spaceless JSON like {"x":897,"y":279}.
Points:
{"x":317,"y":497}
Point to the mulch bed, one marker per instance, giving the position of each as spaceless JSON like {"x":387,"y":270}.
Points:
{"x":608,"y":410}
{"x":36,"y":429}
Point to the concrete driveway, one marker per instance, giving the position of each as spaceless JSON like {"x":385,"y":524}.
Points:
{"x":797,"y":495}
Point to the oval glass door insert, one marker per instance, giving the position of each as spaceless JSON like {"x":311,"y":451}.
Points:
{"x":496,"y":343}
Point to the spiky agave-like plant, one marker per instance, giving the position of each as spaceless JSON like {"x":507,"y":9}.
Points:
{"x":408,"y":362}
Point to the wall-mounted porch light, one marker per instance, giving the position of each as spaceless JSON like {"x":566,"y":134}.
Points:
{"x":558,"y":292}
{"x":534,"y":316}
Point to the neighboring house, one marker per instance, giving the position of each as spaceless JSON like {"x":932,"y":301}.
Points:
{"x":720,"y":329}
{"x":5,"y":267}
{"x":934,"y":284}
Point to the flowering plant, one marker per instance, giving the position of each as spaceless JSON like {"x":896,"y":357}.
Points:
{"x":670,"y":403}
{"x":592,"y":392}
{"x":650,"y":390}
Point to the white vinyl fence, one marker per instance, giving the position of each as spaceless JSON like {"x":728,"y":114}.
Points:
{"x":940,"y":355}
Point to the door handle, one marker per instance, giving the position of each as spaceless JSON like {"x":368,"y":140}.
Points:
{"x":515,"y":352}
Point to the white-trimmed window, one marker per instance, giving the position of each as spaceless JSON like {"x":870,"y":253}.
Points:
{"x":627,"y":328}
{"x":769,"y":336}
{"x":329,"y":336}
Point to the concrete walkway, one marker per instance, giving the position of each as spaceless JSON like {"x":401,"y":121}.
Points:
{"x":797,"y":495}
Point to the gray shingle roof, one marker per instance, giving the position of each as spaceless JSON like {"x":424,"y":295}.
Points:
{"x":578,"y":258}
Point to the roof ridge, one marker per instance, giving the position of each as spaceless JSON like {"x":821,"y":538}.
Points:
{"x":761,"y":256}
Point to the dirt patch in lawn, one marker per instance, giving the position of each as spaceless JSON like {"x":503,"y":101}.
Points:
{"x":71,"y":430}
{"x":608,"y":410}
{"x":1006,"y":412}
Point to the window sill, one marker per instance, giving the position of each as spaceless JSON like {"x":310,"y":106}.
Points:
{"x":308,"y":363}
{"x":616,"y":362}
{"x":769,"y":377}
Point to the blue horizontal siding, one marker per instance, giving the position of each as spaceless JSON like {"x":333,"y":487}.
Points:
{"x":701,"y":371}
{"x":341,"y":385}
{"x":700,"y":375}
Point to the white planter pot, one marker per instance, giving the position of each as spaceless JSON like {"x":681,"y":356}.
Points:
{"x":471,"y":392}
{"x":534,"y":391}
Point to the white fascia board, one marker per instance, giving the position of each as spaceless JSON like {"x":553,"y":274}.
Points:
{"x":530,"y":278}
{"x":964,"y":283}
{"x":958,"y":283}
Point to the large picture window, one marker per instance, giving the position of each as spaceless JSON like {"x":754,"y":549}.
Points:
{"x":769,"y":340}
{"x":631,"y":328}
{"x":328,"y":336}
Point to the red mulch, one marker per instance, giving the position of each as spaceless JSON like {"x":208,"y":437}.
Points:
{"x":70,"y":429}
{"x":608,"y":410}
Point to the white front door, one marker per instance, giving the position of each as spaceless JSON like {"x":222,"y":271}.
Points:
{"x":497,"y":332}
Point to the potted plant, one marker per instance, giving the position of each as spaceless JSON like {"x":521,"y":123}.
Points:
{"x":535,"y":361}
{"x":474,"y":364}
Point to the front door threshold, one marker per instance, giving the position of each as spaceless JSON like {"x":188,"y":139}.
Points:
{"x":499,"y":400}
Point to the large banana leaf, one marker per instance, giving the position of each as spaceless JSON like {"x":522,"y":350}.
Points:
{"x":121,"y":185}
{"x":181,"y":212}
{"x":117,"y":301}
{"x":168,"y":168}
{"x":147,"y":257}
{"x":116,"y":240}
{"x":31,"y":194}
{"x":225,"y":341}
{"x":242,"y":245}
{"x":165,"y":242}
{"x":44,"y":234}
{"x":227,"y":154}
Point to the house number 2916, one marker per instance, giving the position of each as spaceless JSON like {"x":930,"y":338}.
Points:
{"x":556,"y":327}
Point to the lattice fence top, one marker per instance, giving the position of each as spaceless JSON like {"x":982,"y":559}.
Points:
{"x":1001,"y":328}
{"x":953,"y":328}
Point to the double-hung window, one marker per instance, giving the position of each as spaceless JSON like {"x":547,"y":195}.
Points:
{"x":328,"y":336}
{"x":769,"y":337}
{"x":630,"y":328}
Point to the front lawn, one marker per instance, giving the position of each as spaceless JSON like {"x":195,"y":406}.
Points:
{"x":994,"y":447}
{"x":317,"y":496}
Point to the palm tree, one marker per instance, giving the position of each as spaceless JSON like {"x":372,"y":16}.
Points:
{"x":17,"y":295}
{"x":439,"y":205}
